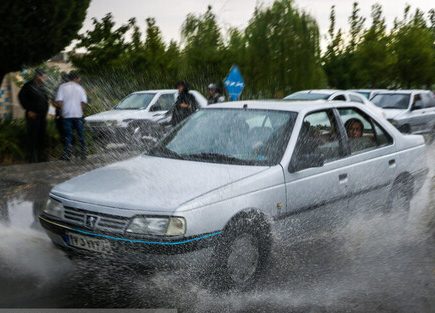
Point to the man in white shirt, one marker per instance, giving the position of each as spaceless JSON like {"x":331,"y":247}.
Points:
{"x":70,"y":98}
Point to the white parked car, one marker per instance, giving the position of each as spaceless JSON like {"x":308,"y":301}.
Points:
{"x":334,"y":95}
{"x":220,"y":184}
{"x":137,"y":116}
{"x":411,"y":111}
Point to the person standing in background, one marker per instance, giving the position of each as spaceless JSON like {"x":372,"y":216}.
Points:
{"x":34,"y":99}
{"x":64,"y":78}
{"x":214,"y":95}
{"x":185,"y":104}
{"x":70,"y":98}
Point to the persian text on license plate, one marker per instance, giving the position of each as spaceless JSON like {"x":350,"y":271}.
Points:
{"x":89,"y":243}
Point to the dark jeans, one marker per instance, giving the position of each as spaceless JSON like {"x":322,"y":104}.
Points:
{"x":70,"y":124}
{"x":36,"y":137}
{"x":59,"y":126}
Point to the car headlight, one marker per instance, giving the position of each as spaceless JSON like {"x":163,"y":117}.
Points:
{"x":54,"y":208}
{"x":169,"y":226}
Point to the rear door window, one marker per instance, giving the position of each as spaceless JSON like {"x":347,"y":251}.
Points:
{"x":362,"y":131}
{"x":355,"y":98}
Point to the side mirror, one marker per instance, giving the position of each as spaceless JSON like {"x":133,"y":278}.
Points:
{"x":306,"y":160}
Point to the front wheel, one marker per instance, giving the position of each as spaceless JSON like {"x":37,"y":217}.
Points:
{"x":241,"y":256}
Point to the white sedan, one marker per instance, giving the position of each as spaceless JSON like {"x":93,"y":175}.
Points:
{"x":222,"y":182}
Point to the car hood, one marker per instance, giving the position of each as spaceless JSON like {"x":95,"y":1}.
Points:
{"x":120,"y":115}
{"x":151,"y":184}
{"x":391,"y":114}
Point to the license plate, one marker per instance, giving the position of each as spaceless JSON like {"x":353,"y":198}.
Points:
{"x":88,"y":243}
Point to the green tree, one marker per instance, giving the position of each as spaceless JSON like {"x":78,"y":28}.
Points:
{"x":203,"y":47}
{"x":373,"y":59}
{"x":413,"y":46}
{"x":104,"y":45}
{"x":335,"y":60}
{"x":283,"y":52}
{"x":33,"y":31}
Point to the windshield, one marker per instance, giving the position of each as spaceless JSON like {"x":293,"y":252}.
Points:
{"x":230,"y":136}
{"x":364,"y":93}
{"x":135,"y":101}
{"x":305,"y":96}
{"x":392,"y":101}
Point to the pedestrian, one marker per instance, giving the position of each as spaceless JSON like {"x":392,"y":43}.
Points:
{"x":64,"y":78}
{"x":185,"y":104}
{"x":34,"y":99}
{"x":70,"y":98}
{"x":214,"y":96}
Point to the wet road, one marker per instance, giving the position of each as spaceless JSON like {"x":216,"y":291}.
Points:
{"x":374,"y":264}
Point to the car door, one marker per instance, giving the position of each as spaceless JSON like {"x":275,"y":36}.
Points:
{"x":372,"y":161}
{"x":315,"y":195}
{"x":428,"y":112}
{"x":417,"y":116}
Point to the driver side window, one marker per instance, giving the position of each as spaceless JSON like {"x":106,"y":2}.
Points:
{"x":418,"y":102}
{"x":318,"y":138}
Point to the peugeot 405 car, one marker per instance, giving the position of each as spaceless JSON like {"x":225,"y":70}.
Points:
{"x":219,"y":184}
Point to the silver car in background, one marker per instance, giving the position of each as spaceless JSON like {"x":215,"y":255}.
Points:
{"x":411,"y":111}
{"x":218,"y":187}
{"x":334,"y":95}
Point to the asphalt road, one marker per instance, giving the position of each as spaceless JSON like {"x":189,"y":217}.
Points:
{"x":374,"y":264}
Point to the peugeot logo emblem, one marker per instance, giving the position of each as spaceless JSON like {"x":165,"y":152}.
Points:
{"x":91,"y":221}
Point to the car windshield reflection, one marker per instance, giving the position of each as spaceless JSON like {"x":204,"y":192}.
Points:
{"x":230,"y":136}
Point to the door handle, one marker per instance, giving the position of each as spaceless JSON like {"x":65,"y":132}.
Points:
{"x":392,"y":163}
{"x":342,"y":178}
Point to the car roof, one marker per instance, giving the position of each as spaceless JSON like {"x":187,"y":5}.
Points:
{"x":367,"y":90}
{"x":322,"y":91}
{"x":156,"y":91}
{"x":403,"y":91}
{"x":282,"y":105}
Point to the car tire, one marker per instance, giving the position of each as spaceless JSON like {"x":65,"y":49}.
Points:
{"x":241,"y":256}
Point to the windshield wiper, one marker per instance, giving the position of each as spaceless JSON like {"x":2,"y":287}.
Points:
{"x":210,"y":156}
{"x":161,"y":150}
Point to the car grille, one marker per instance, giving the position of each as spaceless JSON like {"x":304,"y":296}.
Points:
{"x":101,"y":124}
{"x":105,"y":222}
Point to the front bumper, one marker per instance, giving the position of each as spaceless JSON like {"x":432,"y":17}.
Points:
{"x":153,"y":252}
{"x":111,"y":134}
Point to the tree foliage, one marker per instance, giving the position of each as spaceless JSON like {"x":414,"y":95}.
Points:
{"x":278,"y":52}
{"x":403,"y":57}
{"x":33,"y":31}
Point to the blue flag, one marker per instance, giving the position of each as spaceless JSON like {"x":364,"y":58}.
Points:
{"x":234,"y":83}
